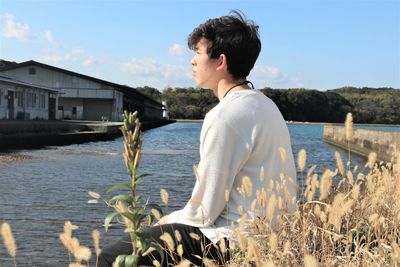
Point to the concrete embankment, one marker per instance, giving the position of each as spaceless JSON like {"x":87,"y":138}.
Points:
{"x":36,"y":134}
{"x":385,"y":144}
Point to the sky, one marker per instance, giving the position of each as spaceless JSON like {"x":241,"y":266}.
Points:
{"x":314,"y":44}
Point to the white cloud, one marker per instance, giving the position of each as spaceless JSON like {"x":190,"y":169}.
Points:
{"x":267,"y":76}
{"x":15,"y":29}
{"x":50,"y":37}
{"x":177,"y":50}
{"x":60,"y":59}
{"x":150,"y":72}
{"x":89,"y":62}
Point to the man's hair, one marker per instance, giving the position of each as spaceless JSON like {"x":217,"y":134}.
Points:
{"x":233,"y":36}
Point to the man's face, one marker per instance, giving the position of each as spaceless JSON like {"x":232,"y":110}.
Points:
{"x":204,"y":68}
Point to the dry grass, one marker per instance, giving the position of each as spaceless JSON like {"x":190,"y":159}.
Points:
{"x":355,"y":223}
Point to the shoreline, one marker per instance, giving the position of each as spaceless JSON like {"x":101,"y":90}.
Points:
{"x":311,"y":123}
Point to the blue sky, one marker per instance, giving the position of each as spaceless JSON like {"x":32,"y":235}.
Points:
{"x":315,"y":44}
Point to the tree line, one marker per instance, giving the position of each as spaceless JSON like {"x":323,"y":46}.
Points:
{"x":368,"y":105}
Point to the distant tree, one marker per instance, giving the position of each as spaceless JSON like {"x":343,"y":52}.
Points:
{"x":373,"y":105}
{"x":300,"y":104}
{"x":188,"y":103}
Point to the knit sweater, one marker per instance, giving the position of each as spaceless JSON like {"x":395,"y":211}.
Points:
{"x":240,"y":136}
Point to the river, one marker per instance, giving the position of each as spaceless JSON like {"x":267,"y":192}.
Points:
{"x":49,"y":186}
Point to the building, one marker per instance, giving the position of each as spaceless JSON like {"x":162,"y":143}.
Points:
{"x":26,"y":101}
{"x":84,"y":97}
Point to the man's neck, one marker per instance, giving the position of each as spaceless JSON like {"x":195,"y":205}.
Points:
{"x":230,"y":85}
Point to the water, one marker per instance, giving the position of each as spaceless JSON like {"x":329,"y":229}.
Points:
{"x":39,"y":194}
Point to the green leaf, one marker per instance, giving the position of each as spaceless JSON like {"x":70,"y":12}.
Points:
{"x":126,"y":198}
{"x":140,"y":177}
{"x":131,"y":261}
{"x":160,"y":250}
{"x":121,"y":260}
{"x":108,"y":219}
{"x":130,"y":216}
{"x":118,"y":186}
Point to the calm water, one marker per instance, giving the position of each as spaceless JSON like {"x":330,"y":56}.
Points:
{"x":38,"y":194}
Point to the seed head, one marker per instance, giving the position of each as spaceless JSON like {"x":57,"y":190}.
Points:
{"x":301,"y":159}
{"x":8,"y":238}
{"x":349,"y":126}
{"x":164,"y":196}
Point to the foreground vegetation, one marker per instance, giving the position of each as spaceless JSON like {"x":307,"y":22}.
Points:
{"x":369,"y":105}
{"x":344,"y":218}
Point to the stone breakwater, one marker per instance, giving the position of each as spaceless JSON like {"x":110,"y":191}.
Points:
{"x":36,"y":134}
{"x":385,"y":144}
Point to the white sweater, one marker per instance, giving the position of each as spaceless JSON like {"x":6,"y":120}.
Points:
{"x":239,"y":136}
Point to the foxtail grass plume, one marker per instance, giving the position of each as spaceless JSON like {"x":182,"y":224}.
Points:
{"x":156,"y":214}
{"x":9,"y":241}
{"x":166,"y":237}
{"x":271,"y":206}
{"x":96,"y":241}
{"x":247,"y":185}
{"x":94,"y":195}
{"x":349,"y":126}
{"x":68,"y":227}
{"x":178,"y":235}
{"x":262,"y":174}
{"x":282,"y":153}
{"x":164,"y":196}
{"x":371,"y":160}
{"x":339,"y":163}
{"x":301,"y":159}
{"x":273,"y":242}
{"x":179,"y":249}
{"x":326,"y":184}
{"x":82,"y":254}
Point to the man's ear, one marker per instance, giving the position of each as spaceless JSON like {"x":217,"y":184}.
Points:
{"x":223,"y":64}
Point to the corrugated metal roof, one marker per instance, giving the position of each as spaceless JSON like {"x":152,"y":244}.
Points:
{"x":14,"y":81}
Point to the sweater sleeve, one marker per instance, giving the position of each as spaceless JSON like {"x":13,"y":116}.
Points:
{"x":222,"y":153}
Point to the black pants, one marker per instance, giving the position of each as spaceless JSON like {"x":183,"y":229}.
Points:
{"x":196,"y":247}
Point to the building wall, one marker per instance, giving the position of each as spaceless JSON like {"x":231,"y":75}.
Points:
{"x":98,"y":109}
{"x":52,"y":78}
{"x":75,"y":88}
{"x":3,"y":102}
{"x":29,"y":102}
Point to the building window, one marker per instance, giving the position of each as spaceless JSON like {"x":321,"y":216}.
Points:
{"x":32,"y":71}
{"x":20,"y":96}
{"x":42,"y":101}
{"x":31,"y":99}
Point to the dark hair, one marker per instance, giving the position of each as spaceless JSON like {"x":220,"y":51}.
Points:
{"x":233,"y":36}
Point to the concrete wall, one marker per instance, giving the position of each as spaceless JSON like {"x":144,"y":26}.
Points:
{"x":385,"y":144}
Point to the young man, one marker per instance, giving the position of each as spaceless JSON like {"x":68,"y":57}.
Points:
{"x":239,"y":137}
